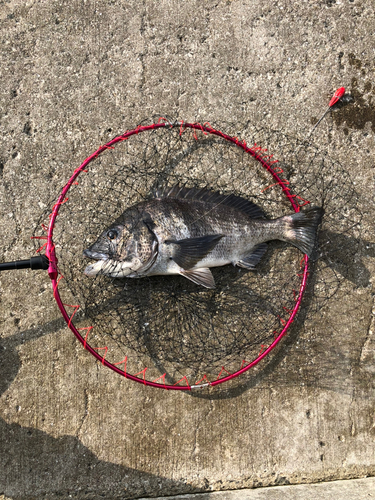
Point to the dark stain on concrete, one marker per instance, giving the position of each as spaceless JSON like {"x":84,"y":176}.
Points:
{"x":354,"y":62}
{"x":27,"y":128}
{"x":360,"y":112}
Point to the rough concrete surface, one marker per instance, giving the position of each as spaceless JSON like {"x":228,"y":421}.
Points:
{"x":74,"y":74}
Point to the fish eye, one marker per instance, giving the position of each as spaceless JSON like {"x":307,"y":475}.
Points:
{"x":112,"y":234}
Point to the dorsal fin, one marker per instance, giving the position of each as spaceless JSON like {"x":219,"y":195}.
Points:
{"x":204,"y":194}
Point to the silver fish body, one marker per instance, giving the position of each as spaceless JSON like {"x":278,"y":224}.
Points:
{"x":188,"y":231}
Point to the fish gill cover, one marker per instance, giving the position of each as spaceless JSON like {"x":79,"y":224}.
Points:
{"x":168,"y":329}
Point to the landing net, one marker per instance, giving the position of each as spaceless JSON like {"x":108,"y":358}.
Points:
{"x":166,"y":331}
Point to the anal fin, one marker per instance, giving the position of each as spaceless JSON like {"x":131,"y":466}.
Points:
{"x":254,"y":258}
{"x":202,"y":276}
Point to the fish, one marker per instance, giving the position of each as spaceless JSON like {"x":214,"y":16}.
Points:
{"x":186,"y":231}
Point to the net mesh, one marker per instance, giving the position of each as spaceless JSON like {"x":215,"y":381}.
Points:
{"x":165,"y":327}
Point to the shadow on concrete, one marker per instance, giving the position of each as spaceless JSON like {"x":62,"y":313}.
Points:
{"x":332,"y":376}
{"x":336,"y":257}
{"x":34,"y":464}
{"x":335,"y":368}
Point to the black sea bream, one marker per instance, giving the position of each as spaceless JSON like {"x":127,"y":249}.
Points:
{"x":186,"y":231}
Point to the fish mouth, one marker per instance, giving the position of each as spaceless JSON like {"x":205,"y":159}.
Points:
{"x":91,"y":254}
{"x":95,"y":268}
{"x":109,"y":267}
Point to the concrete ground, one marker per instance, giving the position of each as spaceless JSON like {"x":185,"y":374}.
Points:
{"x":73,"y":75}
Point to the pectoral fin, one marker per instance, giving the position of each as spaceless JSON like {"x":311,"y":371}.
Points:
{"x":190,"y":251}
{"x":202,"y":276}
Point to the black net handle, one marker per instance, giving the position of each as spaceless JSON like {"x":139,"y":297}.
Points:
{"x":39,"y":262}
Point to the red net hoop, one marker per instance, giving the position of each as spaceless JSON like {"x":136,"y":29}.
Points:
{"x":181,"y":141}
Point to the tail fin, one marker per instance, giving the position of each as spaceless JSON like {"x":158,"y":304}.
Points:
{"x":304,"y":226}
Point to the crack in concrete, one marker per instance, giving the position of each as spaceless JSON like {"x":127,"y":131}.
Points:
{"x":369,"y":332}
{"x":85,"y":413}
{"x":352,"y":427}
{"x":141,"y":55}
